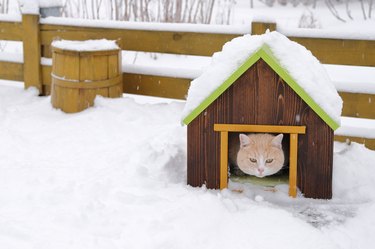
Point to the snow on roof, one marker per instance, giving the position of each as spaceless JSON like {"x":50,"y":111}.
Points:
{"x":88,"y":45}
{"x":295,"y":59}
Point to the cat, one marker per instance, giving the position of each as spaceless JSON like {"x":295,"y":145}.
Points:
{"x":256,"y":154}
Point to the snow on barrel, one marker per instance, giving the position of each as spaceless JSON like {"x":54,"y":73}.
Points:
{"x":81,"y":70}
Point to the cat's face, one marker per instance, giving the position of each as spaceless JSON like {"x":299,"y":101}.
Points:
{"x":260,"y":154}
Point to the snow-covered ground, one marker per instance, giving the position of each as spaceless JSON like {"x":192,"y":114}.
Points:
{"x":114,"y":176}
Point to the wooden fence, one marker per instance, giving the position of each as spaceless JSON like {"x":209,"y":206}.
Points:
{"x":37,"y":38}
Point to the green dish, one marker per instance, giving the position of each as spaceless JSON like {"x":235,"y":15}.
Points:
{"x":268,"y":181}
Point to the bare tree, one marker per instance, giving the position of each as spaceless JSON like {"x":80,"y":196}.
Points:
{"x":366,"y":8}
{"x":308,"y":20}
{"x":4,"y":6}
{"x":224,"y":13}
{"x":333,"y":10}
{"x":363,"y":9}
{"x":187,"y":11}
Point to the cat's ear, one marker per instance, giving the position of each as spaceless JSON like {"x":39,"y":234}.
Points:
{"x":276,"y":141}
{"x":244,"y":140}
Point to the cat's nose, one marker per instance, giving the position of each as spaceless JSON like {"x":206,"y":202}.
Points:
{"x":260,"y":170}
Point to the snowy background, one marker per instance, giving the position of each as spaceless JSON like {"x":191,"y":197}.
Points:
{"x":114,"y":176}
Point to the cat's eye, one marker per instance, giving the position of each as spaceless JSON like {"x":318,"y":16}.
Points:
{"x":253,"y":160}
{"x":269,"y":160}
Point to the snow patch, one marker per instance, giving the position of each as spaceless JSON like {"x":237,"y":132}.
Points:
{"x":11,"y":57}
{"x":159,"y":70}
{"x":29,"y":6}
{"x":354,"y":79}
{"x":88,"y":45}
{"x":10,"y":18}
{"x":357,"y":127}
{"x":343,"y":32}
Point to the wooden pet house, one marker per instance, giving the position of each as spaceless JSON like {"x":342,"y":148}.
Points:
{"x":264,"y":94}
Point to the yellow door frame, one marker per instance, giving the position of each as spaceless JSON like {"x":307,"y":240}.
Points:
{"x":224,"y":129}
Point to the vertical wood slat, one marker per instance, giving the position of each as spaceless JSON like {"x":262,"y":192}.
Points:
{"x":223,"y":159}
{"x":100,"y":73}
{"x":70,"y":96}
{"x":32,"y":52}
{"x":293,"y":164}
{"x":86,"y":73}
{"x":114,"y":69}
{"x":259,"y":28}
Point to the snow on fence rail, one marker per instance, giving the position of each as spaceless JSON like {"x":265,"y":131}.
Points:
{"x":203,"y":40}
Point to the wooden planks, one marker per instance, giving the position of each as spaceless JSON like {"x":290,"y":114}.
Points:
{"x":11,"y":71}
{"x":330,"y":51}
{"x":340,"y":51}
{"x":11,"y":31}
{"x":158,"y":86}
{"x":152,"y":41}
{"x":359,"y":105}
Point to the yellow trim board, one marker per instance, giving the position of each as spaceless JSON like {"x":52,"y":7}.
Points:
{"x":260,"y":128}
{"x":224,"y":129}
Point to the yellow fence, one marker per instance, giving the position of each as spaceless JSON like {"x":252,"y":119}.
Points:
{"x":37,"y":38}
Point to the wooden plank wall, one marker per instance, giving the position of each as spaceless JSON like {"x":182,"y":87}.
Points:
{"x":12,"y":31}
{"x":190,"y":43}
{"x":337,"y":51}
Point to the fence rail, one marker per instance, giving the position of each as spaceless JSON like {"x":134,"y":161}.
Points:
{"x":38,"y":37}
{"x":152,"y":41}
{"x":11,"y":31}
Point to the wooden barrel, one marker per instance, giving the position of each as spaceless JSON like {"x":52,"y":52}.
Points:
{"x":79,"y":76}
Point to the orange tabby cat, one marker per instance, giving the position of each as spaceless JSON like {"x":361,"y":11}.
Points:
{"x":257,"y":154}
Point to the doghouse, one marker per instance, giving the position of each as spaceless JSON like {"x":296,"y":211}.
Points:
{"x":265,"y":84}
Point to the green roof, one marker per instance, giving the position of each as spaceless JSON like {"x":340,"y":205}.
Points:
{"x":265,"y":53}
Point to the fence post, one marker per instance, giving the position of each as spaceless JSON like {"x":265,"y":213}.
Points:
{"x":259,"y":28}
{"x":32,"y":52}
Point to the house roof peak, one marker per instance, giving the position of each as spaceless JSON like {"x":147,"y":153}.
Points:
{"x":293,"y":62}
